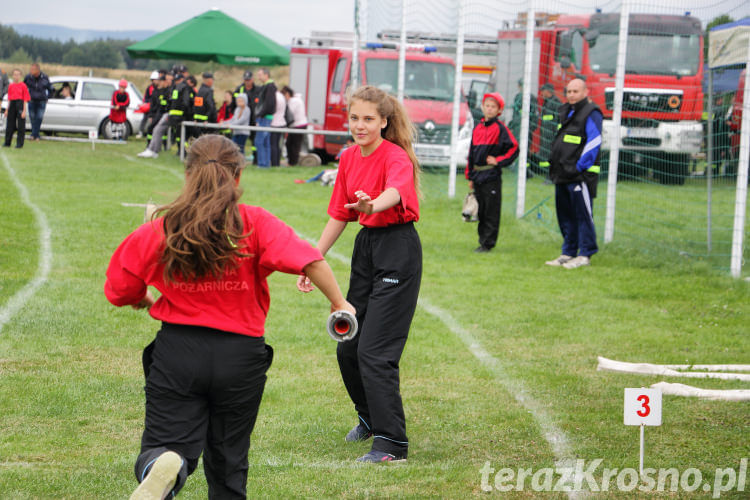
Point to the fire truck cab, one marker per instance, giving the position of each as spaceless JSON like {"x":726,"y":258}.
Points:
{"x":320,"y":69}
{"x":663,"y":97}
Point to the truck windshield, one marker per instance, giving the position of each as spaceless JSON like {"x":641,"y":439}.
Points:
{"x":423,"y":79}
{"x":648,"y":54}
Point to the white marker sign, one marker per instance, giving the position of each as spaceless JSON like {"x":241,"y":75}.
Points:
{"x":93,"y":135}
{"x":642,"y":407}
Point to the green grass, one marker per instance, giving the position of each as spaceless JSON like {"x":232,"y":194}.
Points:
{"x":71,"y":398}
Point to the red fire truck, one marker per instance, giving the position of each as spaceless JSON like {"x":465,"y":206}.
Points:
{"x":663,"y":97}
{"x":320,"y":69}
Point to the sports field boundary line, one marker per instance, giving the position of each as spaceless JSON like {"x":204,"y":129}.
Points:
{"x":556,"y":438}
{"x":22,"y":296}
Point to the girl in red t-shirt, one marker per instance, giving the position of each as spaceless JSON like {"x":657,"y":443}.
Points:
{"x":18,"y":106}
{"x":209,"y":256}
{"x":377,"y":184}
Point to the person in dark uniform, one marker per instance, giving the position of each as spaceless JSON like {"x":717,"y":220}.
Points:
{"x":181,"y":105}
{"x":377,"y":184}
{"x":574,"y":169}
{"x":204,"y":107}
{"x":548,"y":131}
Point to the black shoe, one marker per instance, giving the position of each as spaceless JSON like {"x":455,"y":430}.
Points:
{"x":358,"y":433}
{"x":376,"y":457}
{"x":481,"y":249}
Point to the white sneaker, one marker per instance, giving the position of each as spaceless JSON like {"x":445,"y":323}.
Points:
{"x":147,"y":154}
{"x":577,"y":262}
{"x":559,"y":261}
{"x":160,"y":479}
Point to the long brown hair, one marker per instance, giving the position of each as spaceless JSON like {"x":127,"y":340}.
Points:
{"x":203,"y":225}
{"x":399,"y":129}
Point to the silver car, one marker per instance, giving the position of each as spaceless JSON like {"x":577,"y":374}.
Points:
{"x":85,"y":106}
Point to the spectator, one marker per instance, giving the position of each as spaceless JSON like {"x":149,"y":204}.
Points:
{"x":15,"y":114}
{"x":3,"y":83}
{"x":574,"y":171}
{"x":515,"y":123}
{"x":278,"y":120}
{"x":492,"y":147}
{"x":241,"y":116}
{"x":204,"y":107}
{"x":118,"y":110}
{"x":39,"y":89}
{"x":225,"y":111}
{"x":264,"y":108}
{"x":294,"y":141}
{"x":65,"y":92}
{"x":550,"y":119}
{"x":153,"y":86}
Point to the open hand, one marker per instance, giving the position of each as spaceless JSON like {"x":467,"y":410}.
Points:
{"x":304,"y":284}
{"x":364,"y":203}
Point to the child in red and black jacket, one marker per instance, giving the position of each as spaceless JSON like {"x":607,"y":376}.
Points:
{"x":492,"y":148}
{"x":118,"y":110}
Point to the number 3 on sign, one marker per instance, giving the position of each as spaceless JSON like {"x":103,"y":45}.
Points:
{"x":642,"y":407}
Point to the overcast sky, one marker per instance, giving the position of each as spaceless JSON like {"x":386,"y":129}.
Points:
{"x":281,"y":20}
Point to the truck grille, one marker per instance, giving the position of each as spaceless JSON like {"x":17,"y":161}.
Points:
{"x":429,"y":133}
{"x":650,"y":102}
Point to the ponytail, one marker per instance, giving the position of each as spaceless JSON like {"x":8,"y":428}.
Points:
{"x":202,"y":226}
{"x":399,"y":129}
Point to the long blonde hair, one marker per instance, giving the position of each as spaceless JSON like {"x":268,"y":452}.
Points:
{"x":399,"y":129}
{"x":203,"y":224}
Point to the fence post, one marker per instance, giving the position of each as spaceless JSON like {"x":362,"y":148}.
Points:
{"x":614,"y":151}
{"x":709,"y":156}
{"x":456,"y":98}
{"x":402,"y":54}
{"x":741,"y":202}
{"x":523,"y":141}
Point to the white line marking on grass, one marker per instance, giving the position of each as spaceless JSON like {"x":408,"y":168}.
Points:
{"x":554,"y":436}
{"x":17,"y":301}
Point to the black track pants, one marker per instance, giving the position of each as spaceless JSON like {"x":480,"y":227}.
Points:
{"x":203,"y":390}
{"x":490,"y":200}
{"x":15,"y":123}
{"x":384,"y":285}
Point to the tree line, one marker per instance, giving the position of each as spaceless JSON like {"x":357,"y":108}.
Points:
{"x":107,"y":53}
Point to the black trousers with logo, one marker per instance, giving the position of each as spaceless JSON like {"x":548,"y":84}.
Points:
{"x":386,"y":272}
{"x":15,"y":123}
{"x":490,"y":200}
{"x":203,"y":391}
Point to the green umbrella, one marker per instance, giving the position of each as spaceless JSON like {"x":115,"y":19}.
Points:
{"x":212,"y":36}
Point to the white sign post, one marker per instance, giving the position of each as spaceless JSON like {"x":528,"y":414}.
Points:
{"x":93,"y":136}
{"x":642,"y":408}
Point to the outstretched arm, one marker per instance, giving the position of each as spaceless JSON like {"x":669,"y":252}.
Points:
{"x":320,"y":273}
{"x":331,"y":233}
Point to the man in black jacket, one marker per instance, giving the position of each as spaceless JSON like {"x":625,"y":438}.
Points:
{"x":264,"y":106}
{"x":574,"y":169}
{"x":40,"y":89}
{"x":204,"y":107}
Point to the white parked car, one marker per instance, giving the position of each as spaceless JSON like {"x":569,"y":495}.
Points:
{"x":87,"y":108}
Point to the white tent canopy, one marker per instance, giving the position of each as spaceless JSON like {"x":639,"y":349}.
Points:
{"x":728,"y":44}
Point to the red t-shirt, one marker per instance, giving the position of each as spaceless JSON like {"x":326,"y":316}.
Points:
{"x":121,"y":99}
{"x":238,"y":302}
{"x":388,"y":166}
{"x":18,"y":91}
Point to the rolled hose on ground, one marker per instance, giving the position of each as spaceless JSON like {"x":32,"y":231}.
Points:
{"x":342,"y":326}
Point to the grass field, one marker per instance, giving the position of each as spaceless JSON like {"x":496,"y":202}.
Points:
{"x":499,"y":370}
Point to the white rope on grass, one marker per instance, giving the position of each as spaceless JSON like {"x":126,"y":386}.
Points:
{"x":556,"y":438}
{"x":19,"y":299}
{"x":652,"y":369}
{"x":673,"y":389}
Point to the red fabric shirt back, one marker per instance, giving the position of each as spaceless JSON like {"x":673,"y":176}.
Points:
{"x":238,"y":302}
{"x":18,"y":91}
{"x":388,"y":166}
